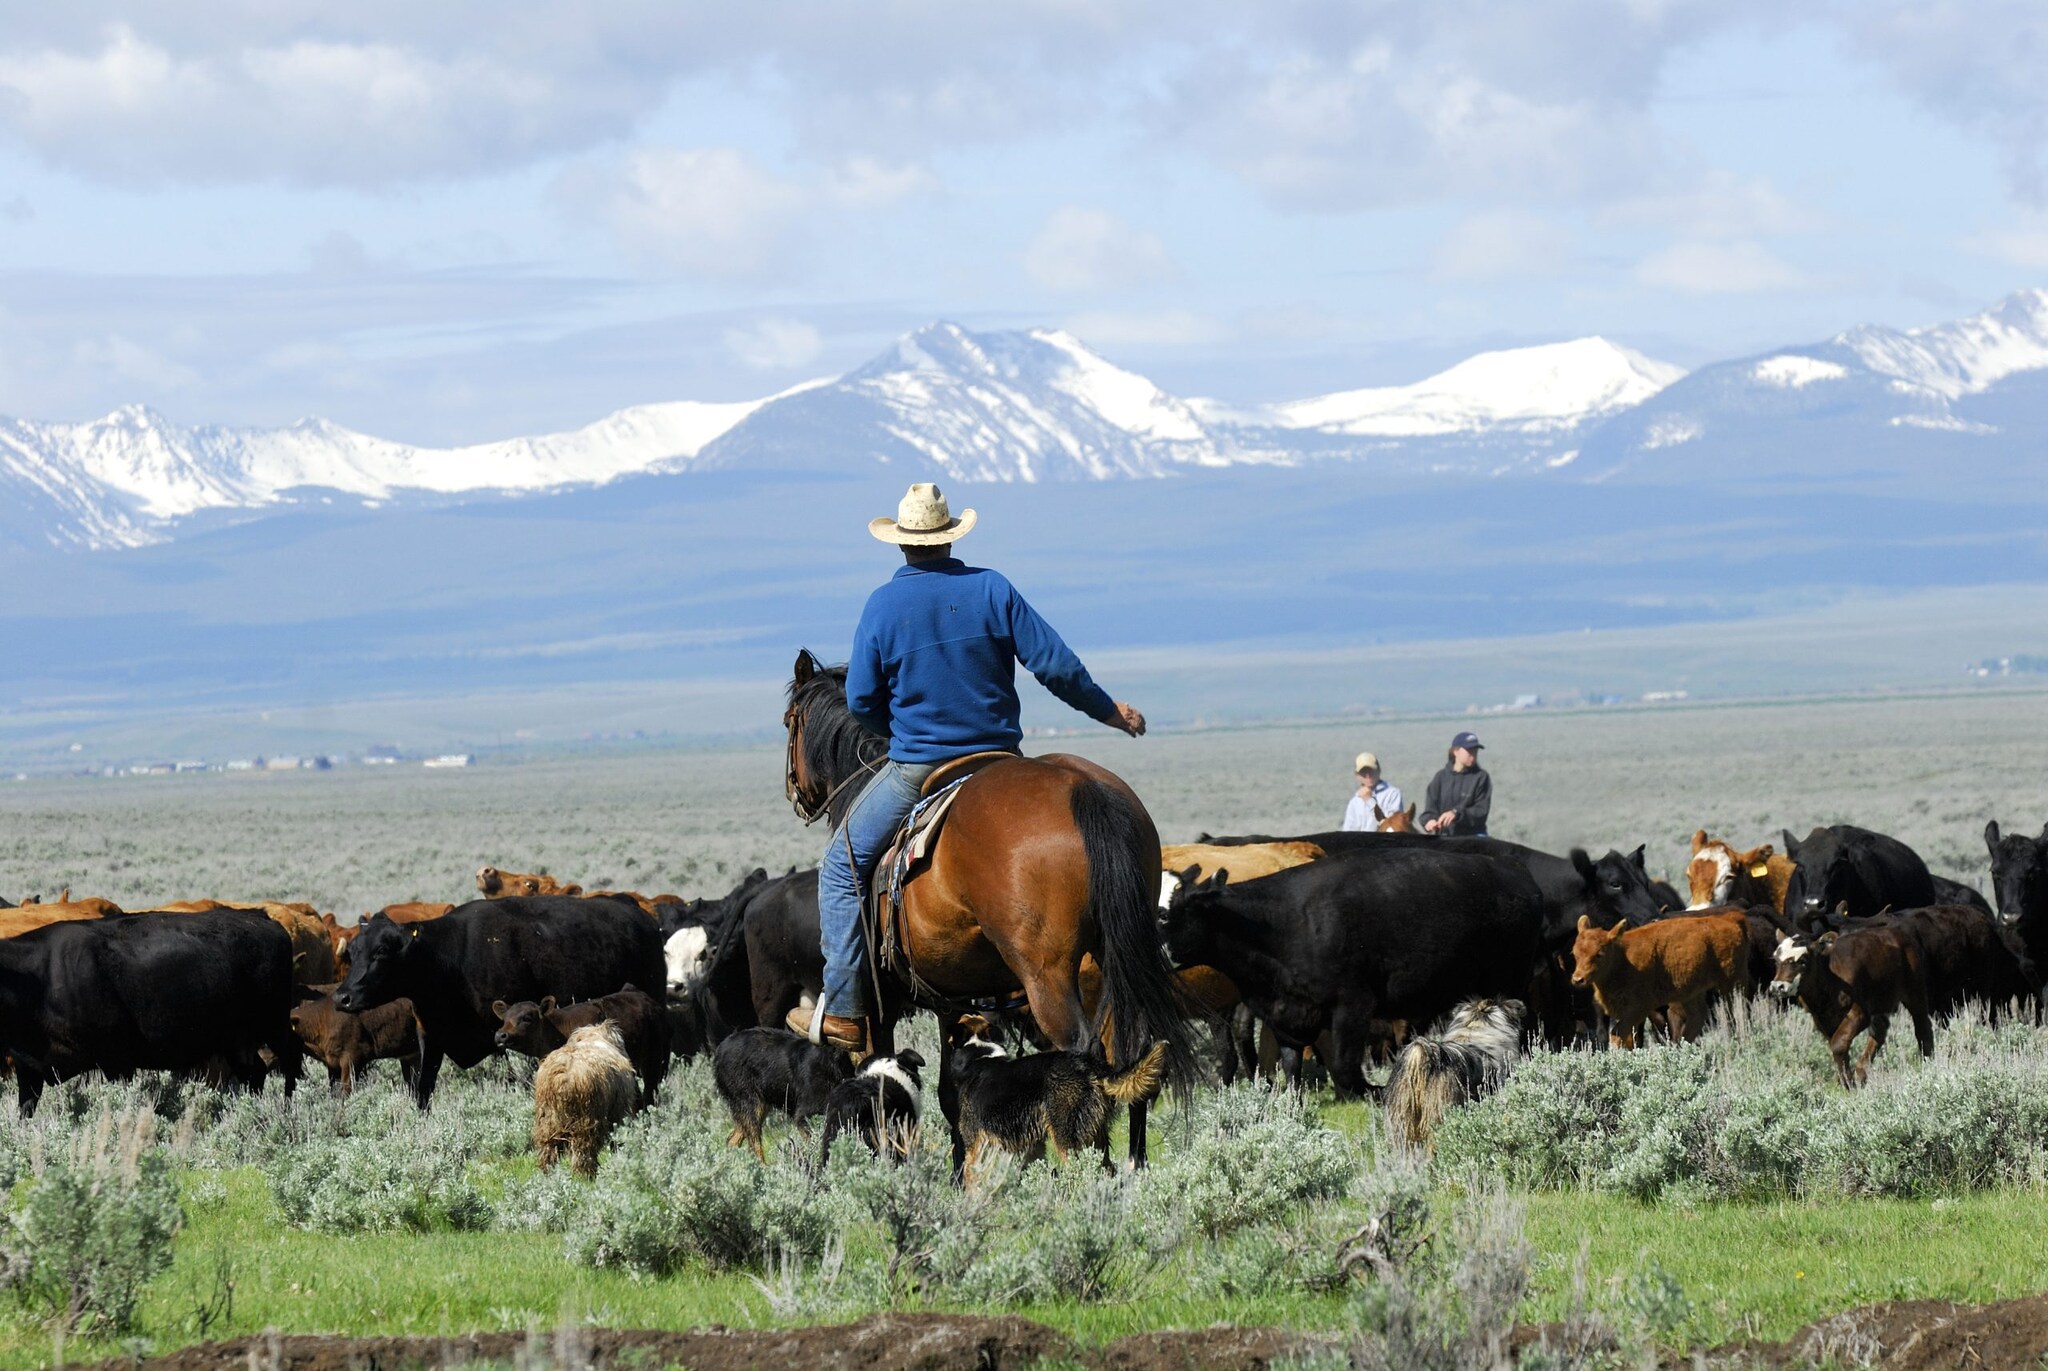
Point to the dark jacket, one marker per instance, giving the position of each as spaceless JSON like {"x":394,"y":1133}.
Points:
{"x":934,"y":663}
{"x":1468,"y":792}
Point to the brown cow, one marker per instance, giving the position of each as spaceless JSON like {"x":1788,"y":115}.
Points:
{"x":91,"y":907}
{"x":496,"y":885}
{"x":1244,"y":863}
{"x":1720,"y":875}
{"x":346,"y":1043}
{"x":1673,"y":964}
{"x":411,"y":912}
{"x":536,"y":1029}
{"x":15,"y":922}
{"x":1857,"y":980}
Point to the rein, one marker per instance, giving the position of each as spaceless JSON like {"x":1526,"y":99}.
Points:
{"x":792,"y":788}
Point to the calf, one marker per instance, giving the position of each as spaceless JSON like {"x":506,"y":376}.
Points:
{"x":1720,"y":875}
{"x":534,"y":1030}
{"x":1673,"y":964}
{"x":582,"y":1091}
{"x":346,"y":1043}
{"x":1854,"y":981}
{"x":2019,"y":877}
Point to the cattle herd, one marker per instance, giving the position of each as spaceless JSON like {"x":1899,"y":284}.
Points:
{"x":1341,"y":947}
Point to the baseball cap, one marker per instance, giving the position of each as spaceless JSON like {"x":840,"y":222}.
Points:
{"x":1467,"y":740}
{"x":1366,"y":762}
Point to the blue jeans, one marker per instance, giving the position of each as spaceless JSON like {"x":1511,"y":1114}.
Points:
{"x":869,"y":826}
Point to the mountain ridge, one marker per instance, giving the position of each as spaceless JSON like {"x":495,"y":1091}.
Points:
{"x":1039,"y":405}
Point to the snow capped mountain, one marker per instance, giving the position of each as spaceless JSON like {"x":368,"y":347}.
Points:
{"x":1040,"y":406}
{"x":113,"y":478}
{"x":1884,"y":404}
{"x":1036,"y":406}
{"x":1534,"y":389}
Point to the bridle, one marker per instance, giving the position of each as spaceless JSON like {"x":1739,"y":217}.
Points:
{"x":792,"y":786}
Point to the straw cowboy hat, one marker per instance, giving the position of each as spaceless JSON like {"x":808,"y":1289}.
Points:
{"x":922,"y":519}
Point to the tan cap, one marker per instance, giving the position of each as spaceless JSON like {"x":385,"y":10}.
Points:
{"x":922,"y":519}
{"x":1367,"y":762}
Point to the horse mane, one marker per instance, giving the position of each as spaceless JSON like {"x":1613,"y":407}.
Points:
{"x":836,"y":744}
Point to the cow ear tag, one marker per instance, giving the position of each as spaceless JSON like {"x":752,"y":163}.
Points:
{"x":1760,"y":870}
{"x":415,"y":933}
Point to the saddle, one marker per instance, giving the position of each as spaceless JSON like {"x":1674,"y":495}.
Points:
{"x":906,"y":854}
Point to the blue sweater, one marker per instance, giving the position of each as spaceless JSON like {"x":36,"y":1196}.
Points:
{"x":934,"y":663}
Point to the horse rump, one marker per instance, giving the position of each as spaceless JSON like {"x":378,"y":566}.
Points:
{"x":1467,"y":1059}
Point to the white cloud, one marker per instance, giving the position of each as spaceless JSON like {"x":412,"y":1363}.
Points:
{"x":1090,"y":251}
{"x":1147,"y":328}
{"x":313,"y":111}
{"x":1717,"y":204}
{"x":774,"y":344}
{"x":868,"y":183}
{"x":1500,"y":246}
{"x":132,"y":362}
{"x":1719,"y":268}
{"x":1982,"y":65}
{"x":2023,"y":244}
{"x":707,"y":211}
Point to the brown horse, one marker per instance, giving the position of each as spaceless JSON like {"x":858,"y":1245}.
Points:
{"x":1041,"y":861}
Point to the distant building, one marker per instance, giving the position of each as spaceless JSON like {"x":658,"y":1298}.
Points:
{"x":282,"y":764}
{"x":1526,"y":702}
{"x":241,"y":764}
{"x":1655,"y":697}
{"x":448,"y":759}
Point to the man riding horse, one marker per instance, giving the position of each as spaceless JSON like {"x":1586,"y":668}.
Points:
{"x":933,"y":670}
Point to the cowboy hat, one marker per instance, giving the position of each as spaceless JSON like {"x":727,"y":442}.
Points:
{"x":922,"y":519}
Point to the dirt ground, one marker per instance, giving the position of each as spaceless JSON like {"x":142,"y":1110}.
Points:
{"x":1921,"y":1335}
{"x":883,"y":1342}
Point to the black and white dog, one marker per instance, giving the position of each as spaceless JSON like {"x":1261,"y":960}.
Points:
{"x":1468,"y":1057}
{"x":758,"y":1069}
{"x":880,"y":1105}
{"x":1019,"y":1104}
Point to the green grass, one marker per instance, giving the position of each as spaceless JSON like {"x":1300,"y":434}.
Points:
{"x":1748,"y":1270}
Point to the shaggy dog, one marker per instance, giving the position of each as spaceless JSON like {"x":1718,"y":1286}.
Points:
{"x":758,"y":1069}
{"x":582,"y":1091}
{"x":880,"y":1105}
{"x":1019,"y":1104}
{"x":1469,"y":1057}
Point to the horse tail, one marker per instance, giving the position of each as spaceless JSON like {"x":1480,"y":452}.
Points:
{"x":1140,"y":994}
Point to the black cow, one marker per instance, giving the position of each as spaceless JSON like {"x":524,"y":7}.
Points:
{"x":1608,"y":890}
{"x":784,"y":960}
{"x":1951,"y":892}
{"x":1363,"y":937}
{"x":2019,"y":875}
{"x":453,"y":968}
{"x":1845,"y":865}
{"x":167,"y":992}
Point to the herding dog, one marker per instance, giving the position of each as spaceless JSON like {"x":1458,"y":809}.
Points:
{"x":1468,"y":1057}
{"x":758,"y":1069}
{"x":1019,"y":1104}
{"x":880,"y":1105}
{"x":582,"y":1091}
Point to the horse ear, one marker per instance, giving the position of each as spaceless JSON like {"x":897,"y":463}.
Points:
{"x":806,"y":665}
{"x":1699,"y":839}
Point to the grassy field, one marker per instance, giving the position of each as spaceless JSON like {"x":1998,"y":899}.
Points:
{"x":1929,"y":770}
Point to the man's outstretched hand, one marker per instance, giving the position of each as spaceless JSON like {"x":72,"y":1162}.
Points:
{"x":1130,"y":720}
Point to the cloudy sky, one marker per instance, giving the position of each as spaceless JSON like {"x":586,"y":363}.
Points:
{"x":475,"y":218}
